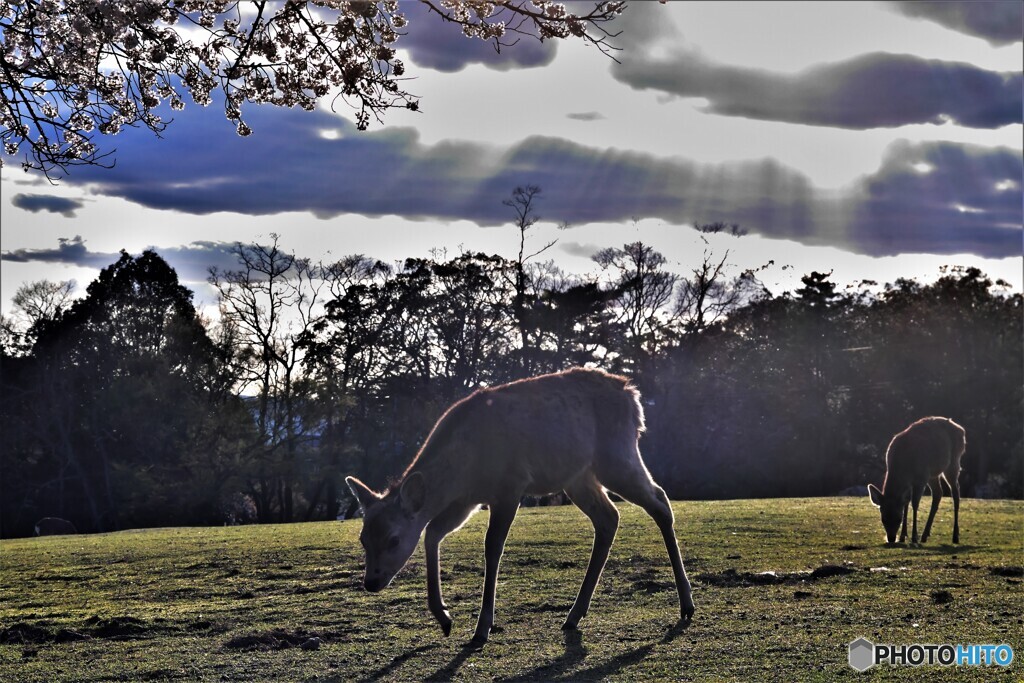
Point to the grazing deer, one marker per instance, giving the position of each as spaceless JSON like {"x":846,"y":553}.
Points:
{"x":574,"y":431}
{"x":54,"y":526}
{"x":926,"y":452}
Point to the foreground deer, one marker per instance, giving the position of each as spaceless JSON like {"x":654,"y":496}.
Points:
{"x":924,"y":453}
{"x":575,"y":431}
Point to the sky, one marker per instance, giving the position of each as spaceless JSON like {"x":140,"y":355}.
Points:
{"x":876,"y":140}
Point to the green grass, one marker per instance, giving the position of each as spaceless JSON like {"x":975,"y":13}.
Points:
{"x":234,"y":603}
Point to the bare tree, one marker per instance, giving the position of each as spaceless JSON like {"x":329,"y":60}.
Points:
{"x":34,"y":303}
{"x":710,"y":293}
{"x":43,"y":299}
{"x":270,"y":303}
{"x":522,"y":203}
{"x":646,"y":289}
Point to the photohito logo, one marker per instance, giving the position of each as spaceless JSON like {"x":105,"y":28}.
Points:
{"x":864,"y":654}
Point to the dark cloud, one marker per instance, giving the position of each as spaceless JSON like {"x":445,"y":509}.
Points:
{"x":586,"y":116}
{"x":288,"y":165}
{"x":1000,"y":23}
{"x":953,"y":198}
{"x":45,"y":202}
{"x":192,"y":262}
{"x":438,"y":45}
{"x":71,"y":251}
{"x":877,"y":90}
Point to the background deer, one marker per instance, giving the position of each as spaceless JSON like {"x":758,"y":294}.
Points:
{"x":54,"y":526}
{"x":926,"y":452}
{"x":575,"y":431}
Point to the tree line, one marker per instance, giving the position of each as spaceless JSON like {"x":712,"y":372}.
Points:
{"x":127,"y":408}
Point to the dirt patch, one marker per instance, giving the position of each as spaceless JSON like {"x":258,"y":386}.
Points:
{"x":21,"y":633}
{"x":731,"y":578}
{"x":802,"y":595}
{"x":828,"y":570}
{"x":120,"y":628}
{"x":651,"y":587}
{"x":942,"y":597}
{"x":210,"y":627}
{"x":548,"y":607}
{"x":67,"y":578}
{"x":853,"y":547}
{"x":275,"y":639}
{"x":28,"y":634}
{"x":1008,"y":571}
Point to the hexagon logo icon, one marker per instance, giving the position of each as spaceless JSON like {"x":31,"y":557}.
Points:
{"x":862,"y":654}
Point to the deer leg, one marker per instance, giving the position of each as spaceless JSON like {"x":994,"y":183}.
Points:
{"x":502,"y":514}
{"x":915,"y":501}
{"x":903,"y":530}
{"x":451,"y":518}
{"x":954,"y":485}
{"x":936,"y":486}
{"x":589,"y":496}
{"x":640,"y":489}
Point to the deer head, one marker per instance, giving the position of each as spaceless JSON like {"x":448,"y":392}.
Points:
{"x":392,"y":525}
{"x":891,"y":506}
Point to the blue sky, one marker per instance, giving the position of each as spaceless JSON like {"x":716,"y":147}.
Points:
{"x":877,"y":140}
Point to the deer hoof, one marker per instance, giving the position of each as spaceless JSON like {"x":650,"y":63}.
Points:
{"x":445,"y":621}
{"x":686,"y":609}
{"x":478,"y":642}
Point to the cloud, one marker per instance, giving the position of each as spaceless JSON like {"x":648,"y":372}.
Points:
{"x":439,"y":45}
{"x":578,"y":249}
{"x":586,"y":116}
{"x":960,"y":198}
{"x":69,"y":250}
{"x":955,"y":205}
{"x":44,"y":202}
{"x":878,"y":90}
{"x":1000,"y":23}
{"x":192,"y":262}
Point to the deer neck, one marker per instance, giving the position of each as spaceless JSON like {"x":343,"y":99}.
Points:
{"x":444,"y":487}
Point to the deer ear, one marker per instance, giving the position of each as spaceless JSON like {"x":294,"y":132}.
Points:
{"x":413,"y":493}
{"x":363,"y":493}
{"x":875,"y":495}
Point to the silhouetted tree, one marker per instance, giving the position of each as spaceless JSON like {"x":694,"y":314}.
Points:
{"x":119,"y":391}
{"x":646,"y":289}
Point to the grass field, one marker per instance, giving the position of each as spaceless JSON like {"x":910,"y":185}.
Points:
{"x":238,"y":603}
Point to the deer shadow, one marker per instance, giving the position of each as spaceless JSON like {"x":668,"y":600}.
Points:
{"x":562,"y":668}
{"x":447,"y":672}
{"x":395,"y":663}
{"x":942,"y":548}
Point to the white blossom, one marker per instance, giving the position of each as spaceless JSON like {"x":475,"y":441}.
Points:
{"x":72,"y":69}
